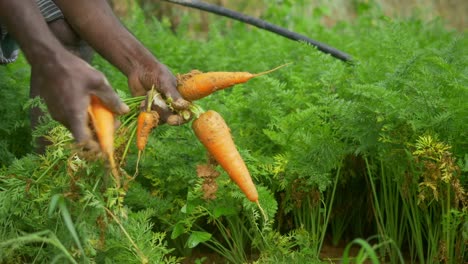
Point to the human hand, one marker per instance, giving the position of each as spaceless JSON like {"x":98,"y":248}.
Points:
{"x":65,"y":82}
{"x":108,"y":37}
{"x":156,"y":74}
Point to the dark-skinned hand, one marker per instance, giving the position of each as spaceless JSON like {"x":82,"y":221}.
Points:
{"x":65,"y":83}
{"x":155,"y":73}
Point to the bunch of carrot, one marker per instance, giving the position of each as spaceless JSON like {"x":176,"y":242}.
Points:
{"x":209,"y":127}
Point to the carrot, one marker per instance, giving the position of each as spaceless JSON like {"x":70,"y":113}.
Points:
{"x":213,"y":132}
{"x":196,"y":85}
{"x":146,"y":122}
{"x":103,"y":121}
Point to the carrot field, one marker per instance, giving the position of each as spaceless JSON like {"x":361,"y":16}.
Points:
{"x":363,"y":161}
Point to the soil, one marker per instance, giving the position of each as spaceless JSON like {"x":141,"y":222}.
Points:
{"x":209,"y":174}
{"x":330,"y":254}
{"x":334,"y":254}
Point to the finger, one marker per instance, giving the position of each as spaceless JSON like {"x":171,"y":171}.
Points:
{"x":110,"y":98}
{"x":78,"y":125}
{"x":159,"y":103}
{"x":143,"y":106}
{"x":164,"y":114}
{"x":180,"y":104}
{"x":175,"y":120}
{"x":117,"y":124}
{"x":91,"y":146}
{"x":177,"y":102}
{"x":169,"y":89}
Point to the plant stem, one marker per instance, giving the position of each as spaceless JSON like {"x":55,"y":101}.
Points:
{"x":143,"y":258}
{"x":330,"y":206}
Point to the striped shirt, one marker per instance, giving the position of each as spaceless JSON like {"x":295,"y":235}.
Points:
{"x":49,"y":10}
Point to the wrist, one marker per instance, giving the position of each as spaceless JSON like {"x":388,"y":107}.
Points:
{"x":43,"y":53}
{"x":140,"y":61}
{"x":135,"y":58}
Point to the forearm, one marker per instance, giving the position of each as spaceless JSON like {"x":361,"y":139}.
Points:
{"x":97,"y":24}
{"x":25,"y":22}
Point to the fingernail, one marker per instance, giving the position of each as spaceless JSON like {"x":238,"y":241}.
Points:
{"x":124,"y":109}
{"x":175,"y":120}
{"x":181,"y":104}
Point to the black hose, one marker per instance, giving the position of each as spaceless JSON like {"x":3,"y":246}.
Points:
{"x":219,"y":10}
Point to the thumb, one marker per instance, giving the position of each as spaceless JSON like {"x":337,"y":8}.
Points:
{"x":78,"y":126}
{"x":111,"y":99}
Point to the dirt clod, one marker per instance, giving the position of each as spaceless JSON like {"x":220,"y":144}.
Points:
{"x":209,"y":174}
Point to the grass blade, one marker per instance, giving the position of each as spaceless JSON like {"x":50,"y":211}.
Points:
{"x":366,"y":250}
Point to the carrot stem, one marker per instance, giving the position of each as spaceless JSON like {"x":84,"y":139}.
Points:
{"x":196,"y":110}
{"x":151,"y":94}
{"x":144,"y":259}
{"x":127,"y":146}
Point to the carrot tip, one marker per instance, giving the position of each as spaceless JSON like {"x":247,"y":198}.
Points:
{"x":265,"y":216}
{"x":272,"y":70}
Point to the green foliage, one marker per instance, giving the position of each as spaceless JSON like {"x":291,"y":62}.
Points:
{"x":367,"y":251}
{"x":56,"y":199}
{"x":15,"y":131}
{"x":319,"y":136}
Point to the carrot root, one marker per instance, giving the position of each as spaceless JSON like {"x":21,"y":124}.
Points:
{"x":146,"y":122}
{"x":265,"y":216}
{"x":103,"y":121}
{"x":213,"y":132}
{"x":196,"y":85}
{"x":272,"y":70}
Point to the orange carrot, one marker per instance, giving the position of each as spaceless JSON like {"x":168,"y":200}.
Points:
{"x":196,"y":85}
{"x":213,"y":132}
{"x":146,"y":122}
{"x":103,"y":122}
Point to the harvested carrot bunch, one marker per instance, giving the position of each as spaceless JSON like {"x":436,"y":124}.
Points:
{"x":196,"y":85}
{"x":103,"y":121}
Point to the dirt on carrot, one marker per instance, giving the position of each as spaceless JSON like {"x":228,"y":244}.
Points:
{"x":146,"y":122}
{"x":208,"y":173}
